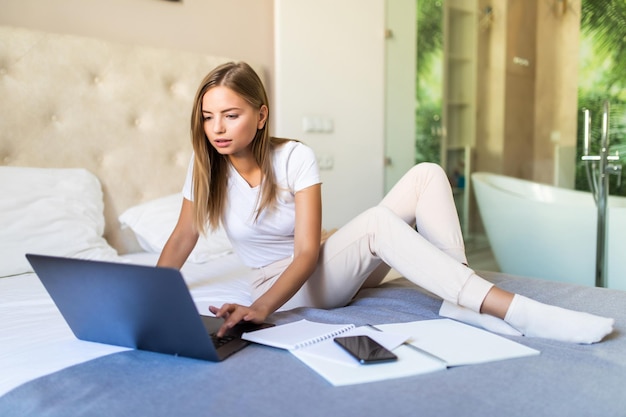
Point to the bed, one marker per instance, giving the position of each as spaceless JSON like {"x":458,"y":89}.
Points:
{"x":94,"y":150}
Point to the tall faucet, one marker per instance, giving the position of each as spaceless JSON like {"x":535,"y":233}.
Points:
{"x":598,"y":168}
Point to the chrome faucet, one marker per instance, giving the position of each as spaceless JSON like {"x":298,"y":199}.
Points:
{"x":598,"y":168}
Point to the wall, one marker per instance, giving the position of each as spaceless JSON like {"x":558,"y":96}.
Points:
{"x":556,"y":91}
{"x":527,"y":87}
{"x":521,"y":67}
{"x":490,"y":89}
{"x":238,"y":29}
{"x":331,"y":65}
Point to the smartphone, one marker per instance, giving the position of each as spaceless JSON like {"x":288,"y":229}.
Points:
{"x":365,"y":349}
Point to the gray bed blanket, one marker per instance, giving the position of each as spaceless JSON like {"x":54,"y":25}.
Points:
{"x":564,"y":380}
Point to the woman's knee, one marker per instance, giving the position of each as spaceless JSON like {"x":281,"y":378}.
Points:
{"x":378,"y":212}
{"x":428,"y":169}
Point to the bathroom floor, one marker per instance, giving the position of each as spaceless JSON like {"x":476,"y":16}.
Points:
{"x":479,"y":254}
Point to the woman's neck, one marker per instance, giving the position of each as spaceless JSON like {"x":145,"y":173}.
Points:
{"x":248,"y":168}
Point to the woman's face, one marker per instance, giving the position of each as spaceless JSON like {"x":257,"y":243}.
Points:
{"x":230,"y":122}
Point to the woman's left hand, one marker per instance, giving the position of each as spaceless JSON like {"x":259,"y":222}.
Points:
{"x":234,"y":313}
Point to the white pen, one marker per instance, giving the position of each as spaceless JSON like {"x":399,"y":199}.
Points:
{"x":371,"y":326}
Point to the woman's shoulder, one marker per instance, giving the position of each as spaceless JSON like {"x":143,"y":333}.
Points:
{"x":285,"y":148}
{"x":295,"y":164}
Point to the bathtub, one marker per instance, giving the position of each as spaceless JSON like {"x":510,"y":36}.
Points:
{"x":547,"y":232}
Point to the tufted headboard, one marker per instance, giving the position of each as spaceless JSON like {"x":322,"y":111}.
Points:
{"x":119,"y":111}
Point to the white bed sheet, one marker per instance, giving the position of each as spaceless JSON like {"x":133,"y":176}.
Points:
{"x":35,"y":340}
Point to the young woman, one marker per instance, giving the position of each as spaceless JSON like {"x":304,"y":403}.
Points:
{"x":266,"y":193}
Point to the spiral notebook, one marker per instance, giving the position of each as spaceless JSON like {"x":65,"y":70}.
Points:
{"x":312,"y":343}
{"x":297,"y":334}
{"x":421,"y":346}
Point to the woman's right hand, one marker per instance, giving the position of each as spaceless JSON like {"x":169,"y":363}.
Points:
{"x":235,"y":313}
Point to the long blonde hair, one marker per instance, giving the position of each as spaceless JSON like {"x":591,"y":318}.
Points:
{"x":210,"y":168}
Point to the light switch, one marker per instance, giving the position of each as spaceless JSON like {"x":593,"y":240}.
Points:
{"x":317,"y":124}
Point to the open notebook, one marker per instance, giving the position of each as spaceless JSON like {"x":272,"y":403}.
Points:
{"x":421,"y":346}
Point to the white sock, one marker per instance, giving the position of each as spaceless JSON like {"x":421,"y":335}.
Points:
{"x":535,"y":319}
{"x":487,"y":322}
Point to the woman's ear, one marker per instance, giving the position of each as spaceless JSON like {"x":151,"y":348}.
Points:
{"x":263,"y":111}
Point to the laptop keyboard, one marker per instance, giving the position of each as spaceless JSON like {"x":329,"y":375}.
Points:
{"x":221,"y":341}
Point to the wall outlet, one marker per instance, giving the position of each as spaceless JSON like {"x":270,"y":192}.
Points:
{"x":325,"y":162}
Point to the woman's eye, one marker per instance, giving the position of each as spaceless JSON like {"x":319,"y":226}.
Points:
{"x":232,"y":116}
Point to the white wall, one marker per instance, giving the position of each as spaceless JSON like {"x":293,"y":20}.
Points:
{"x":330,"y":63}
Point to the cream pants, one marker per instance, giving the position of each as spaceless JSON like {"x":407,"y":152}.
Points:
{"x":360,"y":253}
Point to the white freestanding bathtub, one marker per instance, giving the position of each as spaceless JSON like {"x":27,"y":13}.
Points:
{"x":542,"y":231}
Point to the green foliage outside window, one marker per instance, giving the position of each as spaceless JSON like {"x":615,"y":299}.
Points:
{"x":602,"y":76}
{"x":429,"y":81}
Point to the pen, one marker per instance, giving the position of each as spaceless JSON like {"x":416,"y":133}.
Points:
{"x":371,"y":326}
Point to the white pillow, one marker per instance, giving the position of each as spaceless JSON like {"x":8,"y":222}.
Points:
{"x":58,"y":212}
{"x":153,"y":222}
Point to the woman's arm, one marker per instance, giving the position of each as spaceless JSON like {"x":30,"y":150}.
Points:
{"x":308,"y":229}
{"x":182,"y":240}
{"x":308,"y":226}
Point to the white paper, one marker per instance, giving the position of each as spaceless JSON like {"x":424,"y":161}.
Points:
{"x":409,"y":363}
{"x":446,"y":343}
{"x":458,"y":343}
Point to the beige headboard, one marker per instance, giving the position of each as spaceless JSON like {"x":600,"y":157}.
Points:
{"x":120,"y":111}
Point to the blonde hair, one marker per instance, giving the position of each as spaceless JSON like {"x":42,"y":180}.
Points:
{"x":210,"y":168}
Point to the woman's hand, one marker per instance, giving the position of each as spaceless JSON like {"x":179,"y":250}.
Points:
{"x":234,"y":313}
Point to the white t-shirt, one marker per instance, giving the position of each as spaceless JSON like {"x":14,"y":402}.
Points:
{"x":271,"y":237}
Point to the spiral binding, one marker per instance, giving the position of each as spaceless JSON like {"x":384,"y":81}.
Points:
{"x":323,"y":337}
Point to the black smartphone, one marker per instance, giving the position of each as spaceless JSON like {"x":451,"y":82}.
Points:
{"x":365,"y":349}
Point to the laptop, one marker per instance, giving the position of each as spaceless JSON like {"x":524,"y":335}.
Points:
{"x":140,"y":307}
